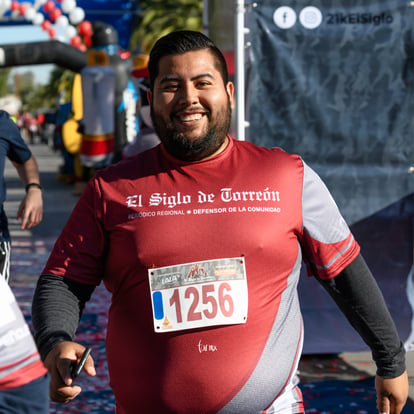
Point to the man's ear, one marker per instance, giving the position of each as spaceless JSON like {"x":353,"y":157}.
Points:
{"x":230,"y":93}
{"x":149,"y":96}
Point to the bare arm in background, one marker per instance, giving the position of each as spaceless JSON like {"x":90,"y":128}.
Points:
{"x":31,"y":207}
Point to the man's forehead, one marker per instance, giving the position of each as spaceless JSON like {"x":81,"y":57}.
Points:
{"x":188,"y":61}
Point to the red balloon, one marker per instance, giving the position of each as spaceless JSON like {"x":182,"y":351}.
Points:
{"x":85,"y":28}
{"x":82,"y":47}
{"x":55,"y":14}
{"x":49,"y":6}
{"x":52,"y":32}
{"x":76,"y":41}
{"x":22,"y":9}
{"x":46,"y":25}
{"x":87,"y":40}
{"x":14,"y":6}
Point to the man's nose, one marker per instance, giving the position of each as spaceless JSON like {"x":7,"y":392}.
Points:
{"x":188,"y":94}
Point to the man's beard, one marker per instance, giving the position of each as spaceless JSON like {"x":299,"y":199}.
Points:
{"x":185,"y":149}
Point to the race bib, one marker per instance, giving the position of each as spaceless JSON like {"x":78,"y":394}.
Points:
{"x":200,"y":294}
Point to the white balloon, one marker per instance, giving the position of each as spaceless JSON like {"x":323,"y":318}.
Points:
{"x":4,"y":6}
{"x":62,"y":21}
{"x":29,"y":14}
{"x":38,"y":19}
{"x":60,"y":38}
{"x":76,"y":15}
{"x":15,"y":15}
{"x":70,"y":31}
{"x":68,"y":5}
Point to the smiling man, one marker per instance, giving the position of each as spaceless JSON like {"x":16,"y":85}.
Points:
{"x":191,"y":109}
{"x":200,"y":240}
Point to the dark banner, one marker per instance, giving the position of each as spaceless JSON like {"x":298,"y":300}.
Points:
{"x":334,"y":82}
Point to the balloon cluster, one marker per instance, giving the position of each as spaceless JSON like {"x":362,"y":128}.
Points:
{"x":54,"y":16}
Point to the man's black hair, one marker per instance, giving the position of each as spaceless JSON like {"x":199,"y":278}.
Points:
{"x":183,"y":41}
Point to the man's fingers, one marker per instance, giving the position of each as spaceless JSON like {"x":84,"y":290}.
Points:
{"x":65,"y":394}
{"x":383,"y":405}
{"x":90,"y":367}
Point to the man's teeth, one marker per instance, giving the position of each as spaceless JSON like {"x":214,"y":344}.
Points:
{"x":191,"y":117}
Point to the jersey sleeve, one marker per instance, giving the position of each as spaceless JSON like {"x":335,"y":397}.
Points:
{"x":17,"y":149}
{"x":19,"y":359}
{"x":79,"y":252}
{"x":327,"y":242}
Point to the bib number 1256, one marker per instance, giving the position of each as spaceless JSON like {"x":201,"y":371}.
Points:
{"x":213,"y":299}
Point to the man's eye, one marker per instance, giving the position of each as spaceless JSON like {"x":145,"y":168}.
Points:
{"x":170,"y":87}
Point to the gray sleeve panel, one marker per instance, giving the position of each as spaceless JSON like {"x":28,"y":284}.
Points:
{"x":277,"y":365}
{"x":322,"y":219}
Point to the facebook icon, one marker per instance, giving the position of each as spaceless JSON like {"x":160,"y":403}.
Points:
{"x":284,"y":17}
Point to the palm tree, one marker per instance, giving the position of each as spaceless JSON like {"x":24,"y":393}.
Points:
{"x":159,"y":17}
{"x":4,"y":81}
{"x":58,"y":89}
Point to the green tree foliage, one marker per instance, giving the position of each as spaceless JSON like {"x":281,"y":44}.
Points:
{"x":24,"y":87}
{"x":58,"y":89}
{"x":5,"y":87}
{"x":159,"y":17}
{"x":60,"y":84}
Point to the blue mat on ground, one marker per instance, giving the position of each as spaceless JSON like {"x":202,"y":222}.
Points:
{"x":342,"y":397}
{"x":325,"y":397}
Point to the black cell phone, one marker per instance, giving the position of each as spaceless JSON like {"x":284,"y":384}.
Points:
{"x":77,"y":367}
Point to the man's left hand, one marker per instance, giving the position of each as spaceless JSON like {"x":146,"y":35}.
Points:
{"x":31,"y":209}
{"x":392,"y":393}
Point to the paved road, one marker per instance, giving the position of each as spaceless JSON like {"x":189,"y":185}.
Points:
{"x":31,"y":249}
{"x":58,"y":196}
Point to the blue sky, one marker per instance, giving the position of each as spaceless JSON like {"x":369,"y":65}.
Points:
{"x":27,"y":33}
